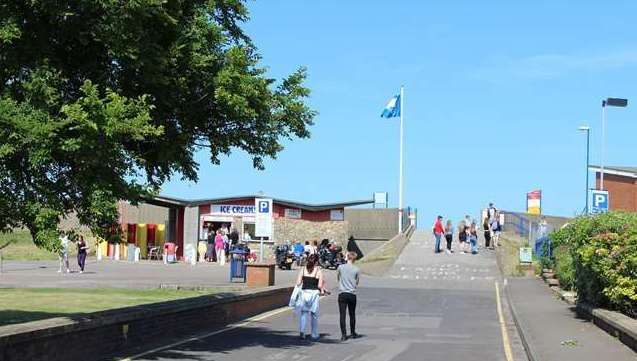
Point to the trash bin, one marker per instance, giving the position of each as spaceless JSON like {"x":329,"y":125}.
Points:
{"x":238,"y":263}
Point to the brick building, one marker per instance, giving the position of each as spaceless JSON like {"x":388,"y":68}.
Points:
{"x":621,"y":184}
{"x":188,"y":221}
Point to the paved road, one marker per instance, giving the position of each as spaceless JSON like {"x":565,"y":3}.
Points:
{"x":106,"y":273}
{"x":429,"y":307}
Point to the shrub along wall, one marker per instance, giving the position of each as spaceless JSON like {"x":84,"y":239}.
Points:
{"x":597,"y":256}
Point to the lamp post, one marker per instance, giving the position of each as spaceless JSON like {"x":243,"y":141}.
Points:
{"x":611,"y":102}
{"x":587,"y":129}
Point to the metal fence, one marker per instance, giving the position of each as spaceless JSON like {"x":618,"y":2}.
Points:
{"x":531,"y":227}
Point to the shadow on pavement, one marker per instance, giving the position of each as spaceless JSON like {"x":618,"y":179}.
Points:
{"x":233,"y":340}
{"x":12,"y":317}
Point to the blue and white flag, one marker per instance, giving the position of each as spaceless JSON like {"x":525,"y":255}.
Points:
{"x":392,"y":109}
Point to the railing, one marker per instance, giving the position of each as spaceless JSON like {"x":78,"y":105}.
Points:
{"x":529,"y":226}
{"x":407,"y":213}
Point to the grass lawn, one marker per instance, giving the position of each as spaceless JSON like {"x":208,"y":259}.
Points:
{"x":22,"y":248}
{"x":509,"y":253}
{"x":19,"y":305}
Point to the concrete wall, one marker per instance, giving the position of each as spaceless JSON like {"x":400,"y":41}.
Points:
{"x":143,"y":213}
{"x":191,"y":233}
{"x":304,"y":230}
{"x":372,"y":224}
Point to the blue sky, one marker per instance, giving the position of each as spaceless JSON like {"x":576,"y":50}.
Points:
{"x":494,"y":93}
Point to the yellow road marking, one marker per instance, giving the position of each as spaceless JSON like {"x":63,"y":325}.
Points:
{"x":230,"y":327}
{"x":505,"y":335}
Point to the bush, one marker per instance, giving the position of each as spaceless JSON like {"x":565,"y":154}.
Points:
{"x":603,"y":252}
{"x":564,"y":267}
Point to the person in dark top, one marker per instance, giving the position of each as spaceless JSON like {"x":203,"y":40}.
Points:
{"x":312,"y":283}
{"x":353,"y":247}
{"x":234,"y":237}
{"x":82,"y":249}
{"x":210,"y":246}
{"x":487,"y":232}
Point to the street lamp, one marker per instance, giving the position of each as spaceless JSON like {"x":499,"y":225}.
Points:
{"x":611,"y":102}
{"x":587,"y":129}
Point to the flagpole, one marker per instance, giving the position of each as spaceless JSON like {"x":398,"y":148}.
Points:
{"x":400,"y":177}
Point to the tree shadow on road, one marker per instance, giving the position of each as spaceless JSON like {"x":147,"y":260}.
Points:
{"x":237,"y":339}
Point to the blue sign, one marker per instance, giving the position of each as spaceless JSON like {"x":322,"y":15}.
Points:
{"x":598,"y":201}
{"x":264,"y":207}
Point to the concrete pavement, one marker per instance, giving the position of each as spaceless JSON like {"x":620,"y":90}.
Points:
{"x":120,"y":274}
{"x":429,"y":307}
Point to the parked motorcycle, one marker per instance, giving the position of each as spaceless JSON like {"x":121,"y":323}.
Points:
{"x":284,"y":256}
{"x":330,"y":256}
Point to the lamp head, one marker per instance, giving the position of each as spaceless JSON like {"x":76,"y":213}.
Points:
{"x":615,"y":102}
{"x":584,"y":128}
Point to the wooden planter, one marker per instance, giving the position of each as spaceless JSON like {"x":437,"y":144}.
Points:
{"x":260,"y":274}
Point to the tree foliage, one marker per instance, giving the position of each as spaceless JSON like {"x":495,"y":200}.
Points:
{"x":102,"y":100}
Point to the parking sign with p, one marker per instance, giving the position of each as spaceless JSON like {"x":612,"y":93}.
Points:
{"x":264,"y":207}
{"x":598,"y":201}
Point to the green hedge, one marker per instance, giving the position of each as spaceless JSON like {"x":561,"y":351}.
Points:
{"x":598,"y":256}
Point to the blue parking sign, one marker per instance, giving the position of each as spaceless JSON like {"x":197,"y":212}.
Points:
{"x":264,"y":207}
{"x":598,"y":201}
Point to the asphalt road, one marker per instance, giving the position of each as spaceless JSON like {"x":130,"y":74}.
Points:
{"x":429,"y":307}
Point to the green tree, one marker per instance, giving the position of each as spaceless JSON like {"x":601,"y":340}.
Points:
{"x":102,"y":100}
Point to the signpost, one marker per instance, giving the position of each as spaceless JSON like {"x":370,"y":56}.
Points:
{"x":534,"y":202}
{"x":598,"y":201}
{"x":263,"y":222}
{"x":526,"y":255}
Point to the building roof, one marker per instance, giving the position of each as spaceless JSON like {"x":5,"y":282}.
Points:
{"x":630,"y":172}
{"x":165,"y":201}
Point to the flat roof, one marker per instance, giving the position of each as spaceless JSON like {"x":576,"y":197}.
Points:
{"x":630,"y":172}
{"x":166,"y":201}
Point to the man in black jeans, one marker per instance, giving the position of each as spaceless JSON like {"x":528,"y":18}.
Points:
{"x":348,"y":277}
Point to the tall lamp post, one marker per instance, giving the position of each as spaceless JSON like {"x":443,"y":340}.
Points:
{"x":587,"y":129}
{"x":611,"y":102}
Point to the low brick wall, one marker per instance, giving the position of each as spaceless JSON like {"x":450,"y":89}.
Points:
{"x":107,"y":332}
{"x":615,"y":323}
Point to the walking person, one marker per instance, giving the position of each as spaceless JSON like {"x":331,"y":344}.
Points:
{"x":473,"y":238}
{"x":496,"y":228}
{"x":462,"y":236}
{"x":312,"y":285}
{"x":491,"y":211}
{"x":449,"y":236}
{"x":348,"y":277}
{"x":438,"y":230}
{"x":63,"y":254}
{"x":82,"y":250}
{"x":220,"y":249}
{"x":487,"y":233}
{"x":210,"y":246}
